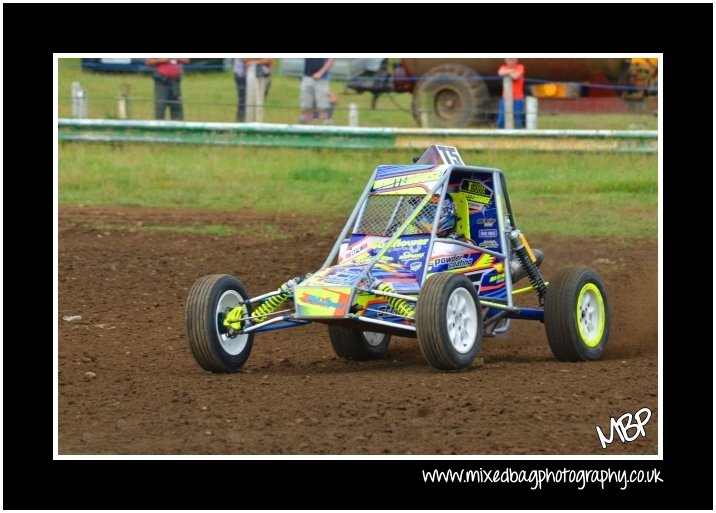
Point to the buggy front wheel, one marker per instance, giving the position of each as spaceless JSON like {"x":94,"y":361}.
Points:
{"x":449,"y":321}
{"x":213,"y":347}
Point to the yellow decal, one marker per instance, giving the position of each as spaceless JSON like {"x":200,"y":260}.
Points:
{"x":476,"y":192}
{"x":322,"y":302}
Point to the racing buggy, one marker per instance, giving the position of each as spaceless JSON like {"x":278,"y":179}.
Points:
{"x":431,"y":251}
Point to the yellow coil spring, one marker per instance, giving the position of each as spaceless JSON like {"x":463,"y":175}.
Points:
{"x":270,"y":305}
{"x":399,"y":306}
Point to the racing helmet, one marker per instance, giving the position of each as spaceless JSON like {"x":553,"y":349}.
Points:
{"x":447,"y":218}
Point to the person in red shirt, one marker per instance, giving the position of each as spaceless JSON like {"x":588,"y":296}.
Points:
{"x":167,"y":87}
{"x":517,"y":73}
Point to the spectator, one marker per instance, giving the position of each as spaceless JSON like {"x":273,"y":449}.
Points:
{"x":167,"y":87}
{"x":332,"y":102}
{"x":517,"y":73}
{"x":264,"y":67}
{"x":314,"y":89}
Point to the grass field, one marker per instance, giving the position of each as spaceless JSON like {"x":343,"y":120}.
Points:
{"x":212,"y":97}
{"x":569,"y":194}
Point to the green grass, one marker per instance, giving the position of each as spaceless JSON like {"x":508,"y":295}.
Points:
{"x":568,"y":194}
{"x":212,"y":97}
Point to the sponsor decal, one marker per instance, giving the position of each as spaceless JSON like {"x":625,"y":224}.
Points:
{"x":453,"y":262}
{"x":410,"y":256}
{"x":320,"y":301}
{"x":415,"y":266}
{"x":412,"y":245}
{"x":356,"y":250}
{"x":461,"y":260}
{"x":488,"y":244}
{"x":478,"y":194}
{"x":486,"y":221}
{"x":497,"y":277}
{"x":487,"y":233}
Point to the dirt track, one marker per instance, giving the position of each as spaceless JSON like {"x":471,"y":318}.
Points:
{"x":294,"y":396}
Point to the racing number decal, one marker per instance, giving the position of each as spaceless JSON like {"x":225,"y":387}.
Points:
{"x":450,"y":154}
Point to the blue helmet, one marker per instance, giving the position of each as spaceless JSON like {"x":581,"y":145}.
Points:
{"x":447,"y":217}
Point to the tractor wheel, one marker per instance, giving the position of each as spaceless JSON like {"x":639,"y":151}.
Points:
{"x":454,"y":95}
{"x":210,"y":298}
{"x":449,"y":321}
{"x":576,"y":315}
{"x":351,"y":344}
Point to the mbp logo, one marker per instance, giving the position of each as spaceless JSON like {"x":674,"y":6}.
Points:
{"x":623,"y":425}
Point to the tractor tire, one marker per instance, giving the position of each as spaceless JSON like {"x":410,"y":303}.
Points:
{"x":213,"y":348}
{"x":576,"y":315}
{"x":351,"y":344}
{"x":449,"y":321}
{"x":455,"y":95}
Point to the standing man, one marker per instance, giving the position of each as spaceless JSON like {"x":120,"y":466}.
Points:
{"x":167,"y":87}
{"x":517,"y":73}
{"x":263,"y":70}
{"x":314,"y":89}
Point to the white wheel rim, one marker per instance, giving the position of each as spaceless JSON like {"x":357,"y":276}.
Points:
{"x":591,"y":315}
{"x":373,"y":339}
{"x":461,"y":320}
{"x":232,"y":346}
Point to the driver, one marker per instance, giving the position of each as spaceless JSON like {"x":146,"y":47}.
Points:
{"x":446,"y":223}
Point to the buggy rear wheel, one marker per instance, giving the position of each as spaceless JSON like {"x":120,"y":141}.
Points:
{"x":449,"y":321}
{"x":210,"y":299}
{"x":352,"y":344}
{"x":576,"y":315}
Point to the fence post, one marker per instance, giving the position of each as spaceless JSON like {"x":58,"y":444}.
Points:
{"x":250,"y":93}
{"x":259,"y":98}
{"x":79,"y":101}
{"x":123,"y":104}
{"x":353,"y":114}
{"x":426,"y":107}
{"x":507,"y":99}
{"x":532,"y":108}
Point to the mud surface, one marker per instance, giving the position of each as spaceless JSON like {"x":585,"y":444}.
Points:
{"x":145,"y":394}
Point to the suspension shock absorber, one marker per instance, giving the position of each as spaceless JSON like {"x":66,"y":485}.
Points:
{"x":399,"y":305}
{"x":521,"y":249}
{"x":271,"y":304}
{"x":233,"y":319}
